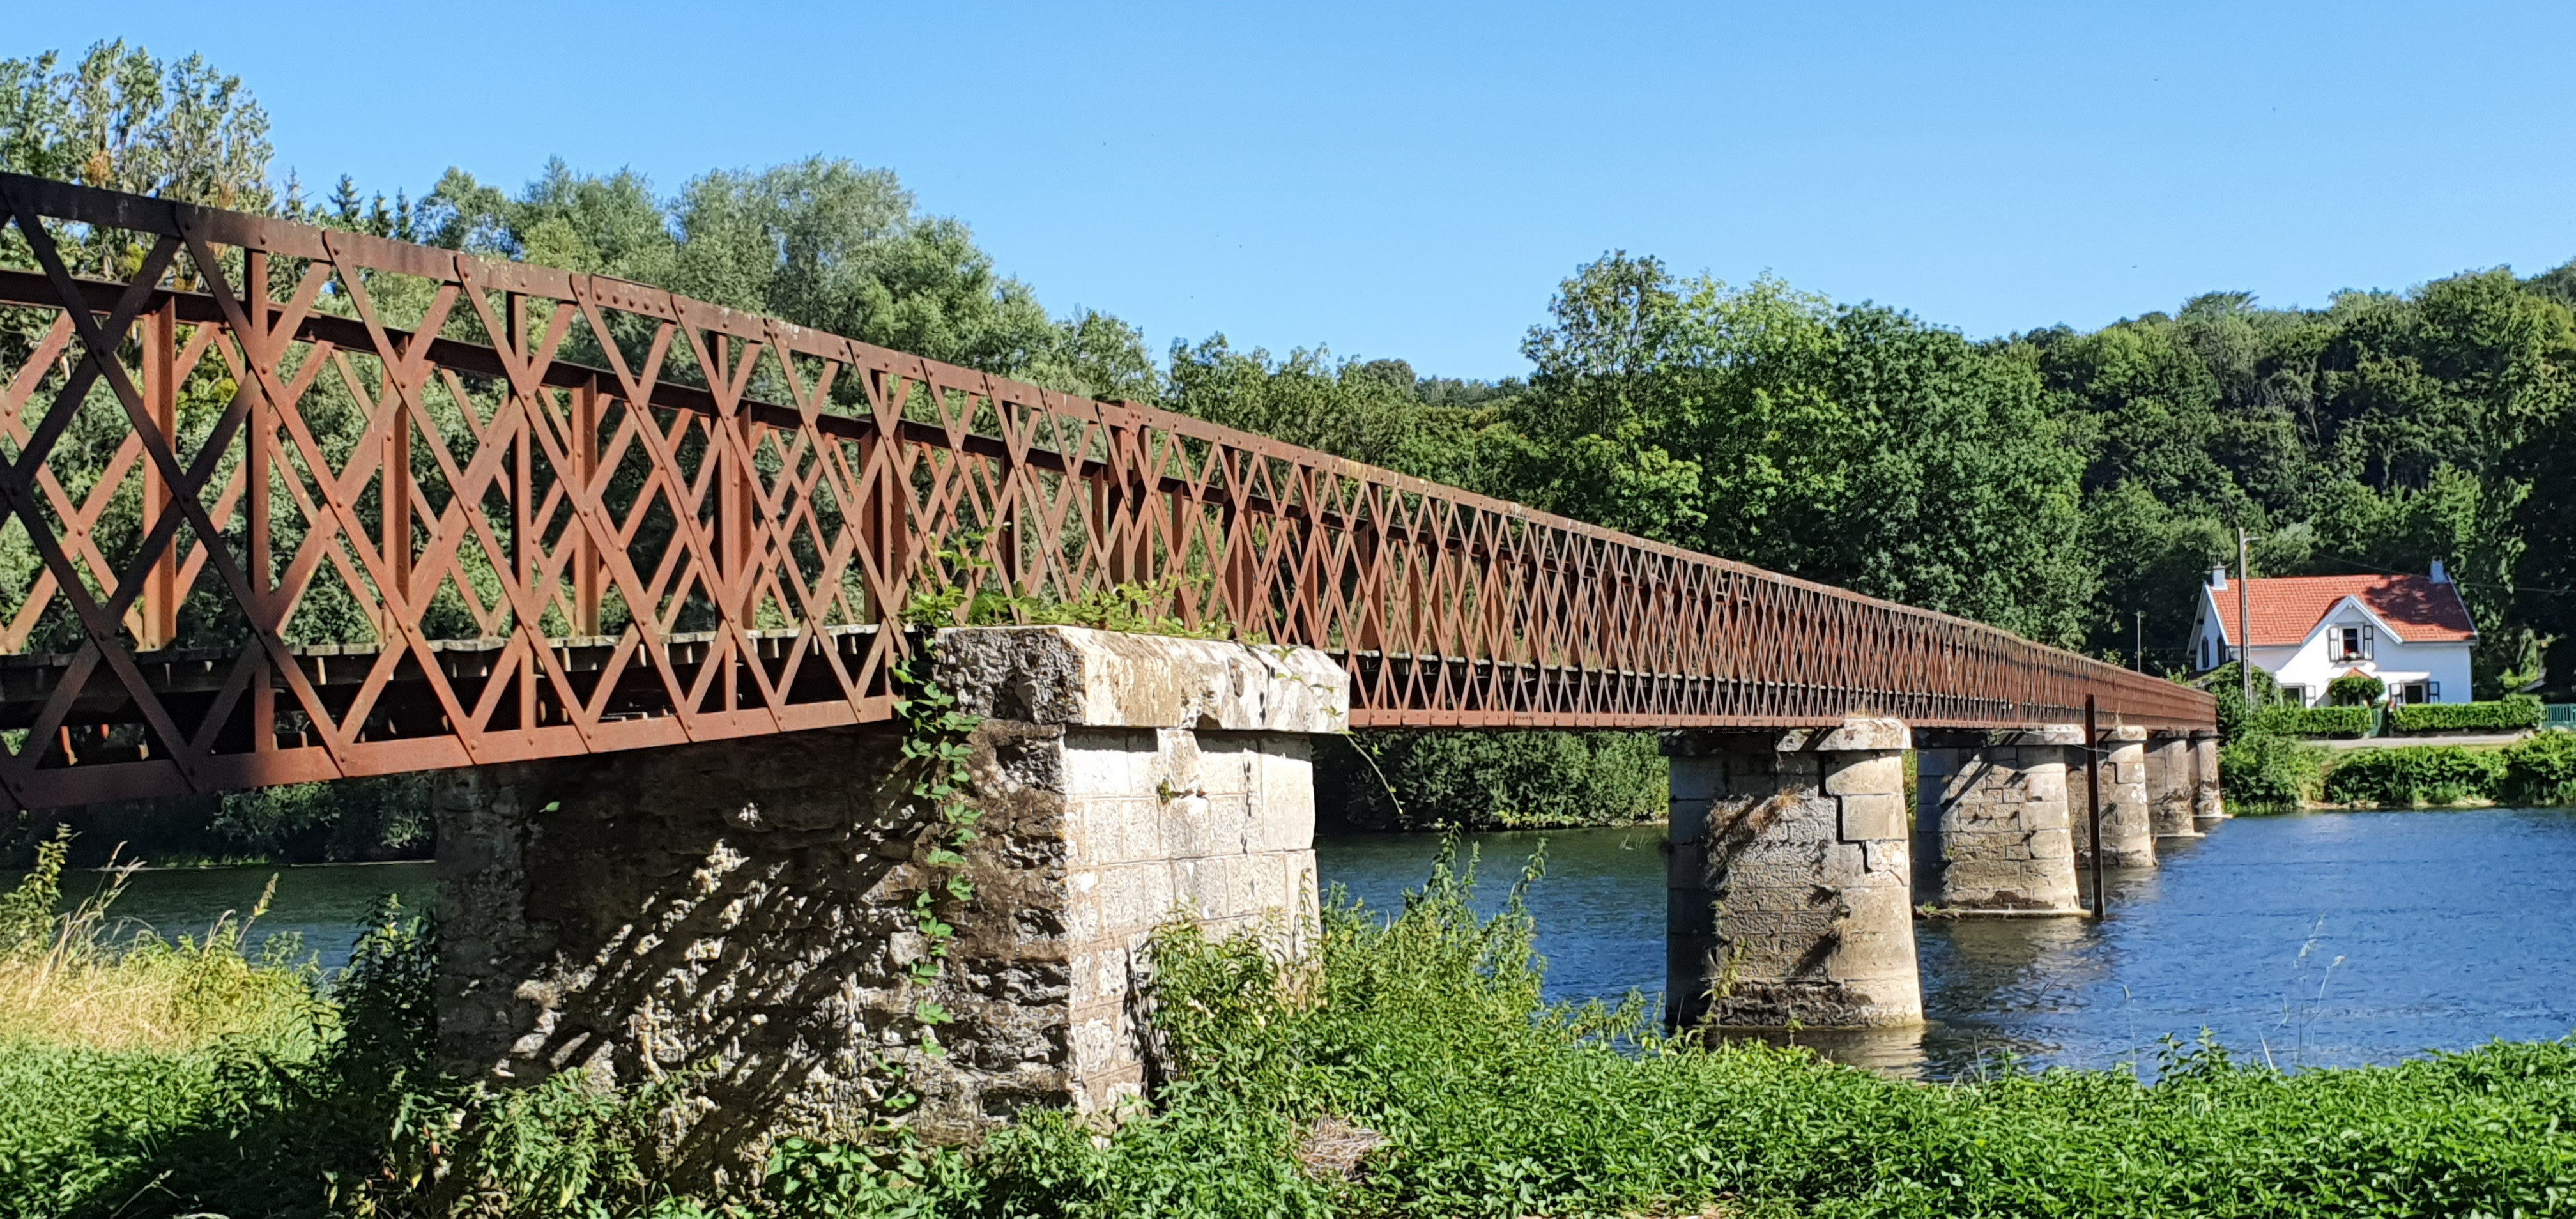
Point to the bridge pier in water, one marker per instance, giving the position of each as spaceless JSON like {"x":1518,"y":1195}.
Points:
{"x":1995,"y":815}
{"x":2172,"y":785}
{"x":1791,"y":884}
{"x":746,"y":907}
{"x":2128,"y":826}
{"x":2206,"y":804}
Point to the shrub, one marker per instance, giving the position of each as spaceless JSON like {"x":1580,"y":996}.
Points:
{"x":2514,"y":713}
{"x":2287,"y":720}
{"x":2260,"y":773}
{"x":2415,"y":774}
{"x":2541,"y":770}
{"x":2355,"y":690}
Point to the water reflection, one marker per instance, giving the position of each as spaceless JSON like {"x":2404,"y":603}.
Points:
{"x":2325,"y":939}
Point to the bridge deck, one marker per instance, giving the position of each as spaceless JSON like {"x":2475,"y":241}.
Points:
{"x":286,"y":503}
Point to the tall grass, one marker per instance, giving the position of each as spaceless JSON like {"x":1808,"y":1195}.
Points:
{"x":69,"y":978}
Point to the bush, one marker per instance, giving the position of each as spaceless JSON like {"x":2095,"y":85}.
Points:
{"x":2355,"y":690}
{"x":2289,"y":720}
{"x":2541,"y":770}
{"x":2416,"y":774}
{"x":1490,"y":780}
{"x":2270,"y":773}
{"x":2514,"y":713}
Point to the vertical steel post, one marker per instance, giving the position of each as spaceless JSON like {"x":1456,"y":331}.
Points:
{"x":159,"y":619}
{"x":257,"y":441}
{"x":2093,"y":799}
{"x":585,"y":472}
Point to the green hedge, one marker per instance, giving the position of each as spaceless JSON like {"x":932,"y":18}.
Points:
{"x":2541,"y":770}
{"x":2514,"y":714}
{"x":2416,"y":774}
{"x":2312,"y":721}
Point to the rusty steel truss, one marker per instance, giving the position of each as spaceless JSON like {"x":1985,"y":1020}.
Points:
{"x":287,"y":503}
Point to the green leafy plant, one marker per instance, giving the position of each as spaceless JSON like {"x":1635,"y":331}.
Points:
{"x":2263,"y":773}
{"x":2541,"y":770}
{"x":2297,"y":721}
{"x":2355,"y":690}
{"x":2415,"y":775}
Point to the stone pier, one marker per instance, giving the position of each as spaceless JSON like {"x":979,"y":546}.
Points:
{"x":1993,"y":817}
{"x":743,"y":909}
{"x":1790,"y":890}
{"x":2206,"y":805}
{"x":2170,"y":785}
{"x":2128,"y":830}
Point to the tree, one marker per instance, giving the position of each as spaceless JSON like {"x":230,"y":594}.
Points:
{"x":123,"y":120}
{"x":820,"y":242}
{"x":1847,"y":444}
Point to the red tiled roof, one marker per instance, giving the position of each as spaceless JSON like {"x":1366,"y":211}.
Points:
{"x":2286,"y":608}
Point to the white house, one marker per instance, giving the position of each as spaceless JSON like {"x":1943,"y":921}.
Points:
{"x":2412,"y":632}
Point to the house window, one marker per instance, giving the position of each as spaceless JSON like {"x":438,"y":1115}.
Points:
{"x":2417,"y":692}
{"x":2295,"y":696}
{"x":2350,"y":643}
{"x":2205,"y":661}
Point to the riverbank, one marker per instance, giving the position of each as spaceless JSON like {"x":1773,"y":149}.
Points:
{"x":1413,"y":1067}
{"x":2271,"y":773}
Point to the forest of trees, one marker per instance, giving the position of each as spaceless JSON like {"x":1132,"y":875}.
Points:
{"x":2054,"y":482}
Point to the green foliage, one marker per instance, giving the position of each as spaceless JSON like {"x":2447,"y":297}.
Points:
{"x":2296,"y":721}
{"x":2226,"y":684}
{"x":819,"y":242}
{"x":935,"y":751}
{"x":1849,"y":444}
{"x":2541,"y":770}
{"x":27,"y":910}
{"x":124,"y":120}
{"x":348,"y":819}
{"x":2259,"y":772}
{"x":1490,"y":780}
{"x":2516,"y":713}
{"x":2355,"y":690}
{"x":2415,"y":775}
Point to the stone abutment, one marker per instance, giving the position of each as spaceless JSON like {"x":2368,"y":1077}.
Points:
{"x":743,"y":911}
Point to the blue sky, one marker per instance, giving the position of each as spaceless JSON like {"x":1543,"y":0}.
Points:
{"x":1413,"y":180}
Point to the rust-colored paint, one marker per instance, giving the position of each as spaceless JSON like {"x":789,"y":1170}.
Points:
{"x":585,"y":515}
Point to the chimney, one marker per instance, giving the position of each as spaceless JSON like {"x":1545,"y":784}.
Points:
{"x":2218,"y":577}
{"x":2441,"y":574}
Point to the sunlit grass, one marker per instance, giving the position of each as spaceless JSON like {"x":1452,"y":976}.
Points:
{"x":71,"y":979}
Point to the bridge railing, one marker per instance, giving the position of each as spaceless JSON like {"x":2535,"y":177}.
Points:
{"x":287,"y":503}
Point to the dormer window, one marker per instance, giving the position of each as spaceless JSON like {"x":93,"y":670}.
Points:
{"x":2349,"y":643}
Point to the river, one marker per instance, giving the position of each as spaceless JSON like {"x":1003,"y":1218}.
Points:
{"x":2320,"y":939}
{"x":2317,"y":939}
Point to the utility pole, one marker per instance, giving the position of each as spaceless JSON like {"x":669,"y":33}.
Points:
{"x":2140,"y":618}
{"x":2244,"y":618}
